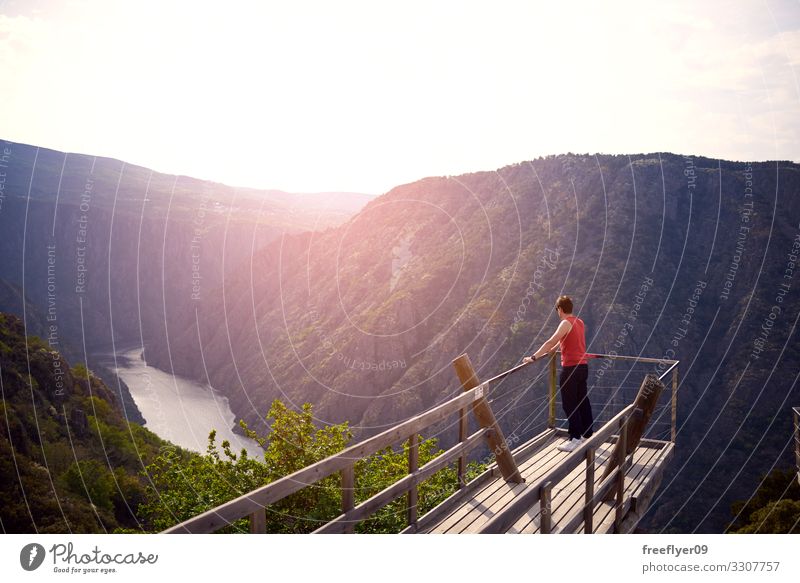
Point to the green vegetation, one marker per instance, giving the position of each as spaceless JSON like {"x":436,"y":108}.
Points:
{"x":69,"y":461}
{"x":774,"y":508}
{"x":186,"y":484}
{"x":384,"y":468}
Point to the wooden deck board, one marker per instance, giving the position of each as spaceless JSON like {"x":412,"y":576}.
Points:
{"x":474,"y":513}
{"x":461,"y":518}
{"x":638,"y":472}
{"x":567,"y":495}
{"x":604,"y":512}
{"x":438,"y":514}
{"x":572,"y":493}
{"x":474,"y":521}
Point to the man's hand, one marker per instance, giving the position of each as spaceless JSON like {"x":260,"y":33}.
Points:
{"x":528,"y":359}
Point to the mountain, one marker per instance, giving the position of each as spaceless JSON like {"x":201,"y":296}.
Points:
{"x":97,"y":252}
{"x":665,"y":255}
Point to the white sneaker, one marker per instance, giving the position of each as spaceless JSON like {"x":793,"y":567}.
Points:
{"x":570,"y":445}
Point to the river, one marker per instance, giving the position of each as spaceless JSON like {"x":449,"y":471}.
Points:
{"x":177,"y":409}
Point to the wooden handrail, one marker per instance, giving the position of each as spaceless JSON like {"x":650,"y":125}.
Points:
{"x":797,"y":440}
{"x":246,"y":504}
{"x":402,"y":486}
{"x":506,"y":518}
{"x":602,"y":491}
{"x":253,"y":503}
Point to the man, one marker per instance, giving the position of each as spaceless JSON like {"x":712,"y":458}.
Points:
{"x":574,"y":372}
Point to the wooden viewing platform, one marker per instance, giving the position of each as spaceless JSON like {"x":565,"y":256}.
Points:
{"x":470,"y":511}
{"x":603,"y":486}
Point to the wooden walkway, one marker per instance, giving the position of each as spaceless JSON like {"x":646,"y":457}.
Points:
{"x":467,"y":511}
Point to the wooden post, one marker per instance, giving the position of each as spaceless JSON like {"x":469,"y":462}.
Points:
{"x":797,"y":440}
{"x":546,"y":509}
{"x":623,"y":430}
{"x":674,"y":433}
{"x":483,"y":413}
{"x":644,"y":405}
{"x":551,"y":417}
{"x":462,"y":459}
{"x":348,"y":494}
{"x":413,"y":466}
{"x":258,"y":522}
{"x":588,"y":508}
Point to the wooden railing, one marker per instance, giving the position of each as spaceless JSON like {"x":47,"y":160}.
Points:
{"x":253,"y":504}
{"x":540,"y":492}
{"x":796,"y":411}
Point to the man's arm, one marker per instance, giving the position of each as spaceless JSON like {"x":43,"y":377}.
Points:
{"x":550,"y":344}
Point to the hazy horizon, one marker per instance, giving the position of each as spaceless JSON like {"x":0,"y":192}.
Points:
{"x":377,"y":194}
{"x":358,"y":97}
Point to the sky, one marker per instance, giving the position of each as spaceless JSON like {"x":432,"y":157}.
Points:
{"x":362,"y":96}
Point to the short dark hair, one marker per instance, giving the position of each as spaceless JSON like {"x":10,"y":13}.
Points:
{"x":565,"y":303}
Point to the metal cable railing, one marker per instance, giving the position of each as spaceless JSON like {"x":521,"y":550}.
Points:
{"x":525,"y":405}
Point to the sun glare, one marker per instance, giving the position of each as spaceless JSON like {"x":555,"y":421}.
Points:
{"x":312,"y":96}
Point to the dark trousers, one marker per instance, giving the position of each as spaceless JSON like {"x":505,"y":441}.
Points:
{"x":575,"y":401}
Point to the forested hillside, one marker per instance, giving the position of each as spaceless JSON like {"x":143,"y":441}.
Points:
{"x":106,"y":252}
{"x":69,"y":460}
{"x":665,"y":255}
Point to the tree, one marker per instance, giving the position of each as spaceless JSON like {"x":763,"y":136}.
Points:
{"x":185,"y":484}
{"x":293,"y":444}
{"x":774,"y":508}
{"x":91,"y":480}
{"x":778,"y":517}
{"x":386,"y":467}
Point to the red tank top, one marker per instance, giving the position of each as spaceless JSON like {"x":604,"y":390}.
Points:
{"x":573,"y":345}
